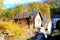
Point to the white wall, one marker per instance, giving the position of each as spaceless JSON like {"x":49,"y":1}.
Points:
{"x":37,"y":21}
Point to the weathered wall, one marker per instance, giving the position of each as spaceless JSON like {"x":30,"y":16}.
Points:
{"x":37,"y":21}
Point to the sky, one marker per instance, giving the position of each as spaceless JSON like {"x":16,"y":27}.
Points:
{"x":12,"y":3}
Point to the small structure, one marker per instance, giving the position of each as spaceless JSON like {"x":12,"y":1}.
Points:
{"x":29,"y":19}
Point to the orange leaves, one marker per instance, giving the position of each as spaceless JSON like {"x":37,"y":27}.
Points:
{"x":46,"y":10}
{"x":46,"y":7}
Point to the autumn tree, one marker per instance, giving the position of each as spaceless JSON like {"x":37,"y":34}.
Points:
{"x":12,"y":12}
{"x":46,"y":10}
{"x":53,"y":4}
{"x":1,"y":7}
{"x":21,"y":8}
{"x":1,"y":4}
{"x":35,"y":6}
{"x":7,"y":14}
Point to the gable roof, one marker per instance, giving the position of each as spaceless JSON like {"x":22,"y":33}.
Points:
{"x":26,"y":14}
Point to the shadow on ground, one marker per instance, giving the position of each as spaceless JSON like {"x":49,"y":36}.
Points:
{"x":40,"y":36}
{"x":57,"y":37}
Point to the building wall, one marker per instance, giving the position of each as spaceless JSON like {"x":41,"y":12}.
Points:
{"x":16,"y":21}
{"x":24,"y":23}
{"x":34,"y":23}
{"x":37,"y":21}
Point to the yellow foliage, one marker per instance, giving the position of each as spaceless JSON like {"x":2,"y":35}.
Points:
{"x":12,"y":29}
{"x":46,"y":7}
{"x":46,"y":10}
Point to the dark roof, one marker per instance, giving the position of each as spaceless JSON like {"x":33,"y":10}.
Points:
{"x":22,"y":15}
{"x":33,"y":13}
{"x":26,"y":14}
